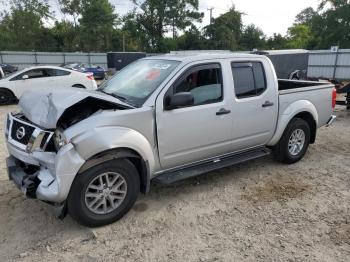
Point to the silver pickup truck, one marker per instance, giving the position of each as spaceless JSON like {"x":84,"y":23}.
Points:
{"x":163,"y":119}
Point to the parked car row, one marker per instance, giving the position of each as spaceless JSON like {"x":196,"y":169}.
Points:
{"x":14,"y":85}
{"x":8,"y":69}
{"x":97,"y":71}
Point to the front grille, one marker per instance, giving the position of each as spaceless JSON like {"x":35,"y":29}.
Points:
{"x":15,"y":132}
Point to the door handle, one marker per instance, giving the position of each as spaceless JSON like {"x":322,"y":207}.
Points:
{"x":268,"y":104}
{"x":223,"y":111}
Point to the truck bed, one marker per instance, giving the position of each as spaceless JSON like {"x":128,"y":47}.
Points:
{"x":295,"y":85}
{"x":319,"y":94}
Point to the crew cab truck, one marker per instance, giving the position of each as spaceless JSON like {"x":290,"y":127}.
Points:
{"x":166,"y":118}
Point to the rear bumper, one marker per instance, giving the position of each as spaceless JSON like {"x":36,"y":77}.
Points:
{"x":331,"y":120}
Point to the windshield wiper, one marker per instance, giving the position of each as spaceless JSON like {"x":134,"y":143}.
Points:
{"x":121,"y":98}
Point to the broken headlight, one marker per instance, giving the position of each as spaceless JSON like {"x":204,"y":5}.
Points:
{"x":59,"y":139}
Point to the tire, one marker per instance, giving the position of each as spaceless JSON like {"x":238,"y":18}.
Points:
{"x":6,"y":97}
{"x":78,"y":200}
{"x":79,"y":86}
{"x":282,"y":151}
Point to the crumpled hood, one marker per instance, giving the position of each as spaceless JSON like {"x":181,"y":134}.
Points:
{"x":45,"y":106}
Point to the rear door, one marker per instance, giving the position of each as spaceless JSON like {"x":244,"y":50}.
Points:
{"x":255,"y":109}
{"x":204,"y":130}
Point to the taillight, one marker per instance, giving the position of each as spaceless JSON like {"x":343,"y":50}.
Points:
{"x":334,"y":98}
{"x":91,"y":77}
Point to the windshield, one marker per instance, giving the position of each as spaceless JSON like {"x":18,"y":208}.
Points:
{"x":136,"y":82}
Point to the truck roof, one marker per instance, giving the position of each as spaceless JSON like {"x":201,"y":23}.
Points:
{"x":193,"y":56}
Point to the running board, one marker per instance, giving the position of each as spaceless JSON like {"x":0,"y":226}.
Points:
{"x":173,"y":176}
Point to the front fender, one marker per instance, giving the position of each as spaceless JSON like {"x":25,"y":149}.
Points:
{"x":100,"y":139}
{"x":289,"y":113}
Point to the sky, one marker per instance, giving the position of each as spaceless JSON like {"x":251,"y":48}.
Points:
{"x":272,"y":16}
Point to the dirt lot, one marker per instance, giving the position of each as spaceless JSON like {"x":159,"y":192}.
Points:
{"x":258,"y":211}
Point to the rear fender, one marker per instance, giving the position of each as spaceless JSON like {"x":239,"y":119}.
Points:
{"x":289,"y":113}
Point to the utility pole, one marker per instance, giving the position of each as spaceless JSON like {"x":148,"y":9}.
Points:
{"x":211,"y":14}
{"x":123,"y":42}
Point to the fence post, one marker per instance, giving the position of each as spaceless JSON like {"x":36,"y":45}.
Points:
{"x":335,"y":64}
{"x":64,"y":58}
{"x":35,"y":58}
{"x":89,"y":58}
{"x":1,"y":59}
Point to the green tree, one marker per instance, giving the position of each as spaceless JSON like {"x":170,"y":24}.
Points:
{"x":72,"y":8}
{"x":327,"y":26}
{"x":191,"y":40}
{"x":180,"y":14}
{"x":23,"y":26}
{"x":133,"y":33}
{"x":160,"y":16}
{"x":225,"y":31}
{"x":332,"y":27}
{"x":96,"y":24}
{"x":305,"y":16}
{"x":66,"y":35}
{"x":334,"y":3}
{"x":299,"y":36}
{"x":276,"y":42}
{"x":252,"y":37}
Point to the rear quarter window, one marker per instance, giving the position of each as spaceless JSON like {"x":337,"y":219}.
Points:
{"x":59,"y":72}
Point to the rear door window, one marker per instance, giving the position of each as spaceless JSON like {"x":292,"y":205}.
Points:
{"x":249,"y":79}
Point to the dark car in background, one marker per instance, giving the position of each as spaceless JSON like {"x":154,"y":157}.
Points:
{"x":8,"y":69}
{"x":98,"y":71}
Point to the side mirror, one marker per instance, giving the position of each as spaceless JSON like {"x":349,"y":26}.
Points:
{"x":179,"y":100}
{"x":25,"y":77}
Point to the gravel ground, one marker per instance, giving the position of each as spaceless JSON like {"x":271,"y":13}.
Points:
{"x":257,"y":211}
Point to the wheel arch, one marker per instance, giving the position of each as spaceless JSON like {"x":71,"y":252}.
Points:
{"x":7,"y":89}
{"x":308,"y":118}
{"x":300,"y":109}
{"x":133,"y":156}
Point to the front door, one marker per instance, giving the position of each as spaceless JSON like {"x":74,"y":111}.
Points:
{"x":204,"y":130}
{"x":35,"y":78}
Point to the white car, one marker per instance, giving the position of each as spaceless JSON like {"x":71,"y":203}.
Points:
{"x":14,"y":85}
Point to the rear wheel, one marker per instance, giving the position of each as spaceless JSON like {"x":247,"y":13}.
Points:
{"x":6,"y":97}
{"x":104,"y":193}
{"x":294,"y":142}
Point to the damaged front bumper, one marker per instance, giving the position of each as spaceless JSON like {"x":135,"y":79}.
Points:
{"x":39,"y":174}
{"x":47,"y":178}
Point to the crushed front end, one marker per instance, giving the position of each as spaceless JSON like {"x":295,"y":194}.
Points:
{"x":35,"y":165}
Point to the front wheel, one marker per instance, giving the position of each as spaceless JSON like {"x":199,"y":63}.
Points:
{"x":294,"y":142}
{"x":6,"y":97}
{"x":104,"y":193}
